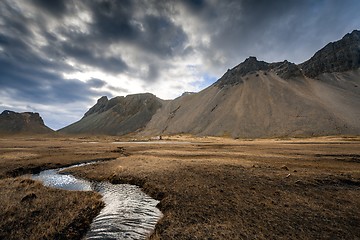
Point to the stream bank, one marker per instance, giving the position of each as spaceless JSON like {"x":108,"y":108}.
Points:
{"x":128,"y":213}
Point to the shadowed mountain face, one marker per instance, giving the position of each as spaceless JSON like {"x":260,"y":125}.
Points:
{"x":117,"y":116}
{"x":340,"y":56}
{"x":22,"y":123}
{"x":254,"y":99}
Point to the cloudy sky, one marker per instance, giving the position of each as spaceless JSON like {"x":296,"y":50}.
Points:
{"x":57,"y":57}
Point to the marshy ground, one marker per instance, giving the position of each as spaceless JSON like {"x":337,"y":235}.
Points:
{"x":210,"y":188}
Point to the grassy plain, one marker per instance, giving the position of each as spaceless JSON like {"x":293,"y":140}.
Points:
{"x":218,"y":188}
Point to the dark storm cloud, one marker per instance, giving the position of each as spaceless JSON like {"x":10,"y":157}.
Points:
{"x":195,"y":5}
{"x":31,"y":76}
{"x":54,"y":7}
{"x":13,"y":20}
{"x":96,"y":83}
{"x":203,"y":8}
{"x":162,"y":37}
{"x":118,"y":89}
{"x":34,"y":72}
{"x":86,"y":55}
{"x":112,"y":19}
{"x":116,"y":21}
{"x":42,"y":86}
{"x":153,"y":72}
{"x":274,"y":30}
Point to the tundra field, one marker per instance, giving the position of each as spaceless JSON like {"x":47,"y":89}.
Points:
{"x":209,"y":187}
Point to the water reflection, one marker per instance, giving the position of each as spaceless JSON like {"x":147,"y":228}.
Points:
{"x":128,"y":213}
{"x":132,"y":215}
{"x":52,"y":178}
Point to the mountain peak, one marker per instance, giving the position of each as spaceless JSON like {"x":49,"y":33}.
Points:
{"x":7,"y":112}
{"x":251,"y":59}
{"x":117,"y":116}
{"x":234,"y":76}
{"x":250,"y":64}
{"x":355,"y":34}
{"x":103,"y":99}
{"x":34,"y":115}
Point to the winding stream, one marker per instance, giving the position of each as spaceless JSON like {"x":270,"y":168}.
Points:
{"x":128,"y":213}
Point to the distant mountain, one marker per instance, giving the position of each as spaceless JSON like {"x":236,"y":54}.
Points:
{"x":22,"y":123}
{"x":254,"y":99}
{"x":117,"y":116}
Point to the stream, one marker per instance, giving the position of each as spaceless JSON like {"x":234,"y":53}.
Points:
{"x":128,"y":213}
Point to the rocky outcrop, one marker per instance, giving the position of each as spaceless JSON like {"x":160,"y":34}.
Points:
{"x":22,"y":123}
{"x":251,"y":65}
{"x":286,"y":69}
{"x":339,"y":56}
{"x":117,"y":116}
{"x":235,"y":75}
{"x":100,"y":106}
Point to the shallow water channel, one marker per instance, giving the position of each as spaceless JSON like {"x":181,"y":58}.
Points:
{"x":128,"y":213}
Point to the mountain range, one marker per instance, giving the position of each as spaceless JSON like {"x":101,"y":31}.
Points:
{"x":320,"y":96}
{"x":254,"y":99}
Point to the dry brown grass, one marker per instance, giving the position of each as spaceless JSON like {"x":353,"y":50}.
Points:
{"x":219,"y":188}
{"x":52,"y":214}
{"x":21,"y":155}
{"x":31,"y":211}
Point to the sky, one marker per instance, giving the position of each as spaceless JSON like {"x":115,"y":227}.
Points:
{"x":58,"y":57}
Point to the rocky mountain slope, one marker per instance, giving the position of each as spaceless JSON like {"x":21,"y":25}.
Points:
{"x":254,"y":99}
{"x":340,"y":56}
{"x":22,"y":123}
{"x":117,"y":116}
